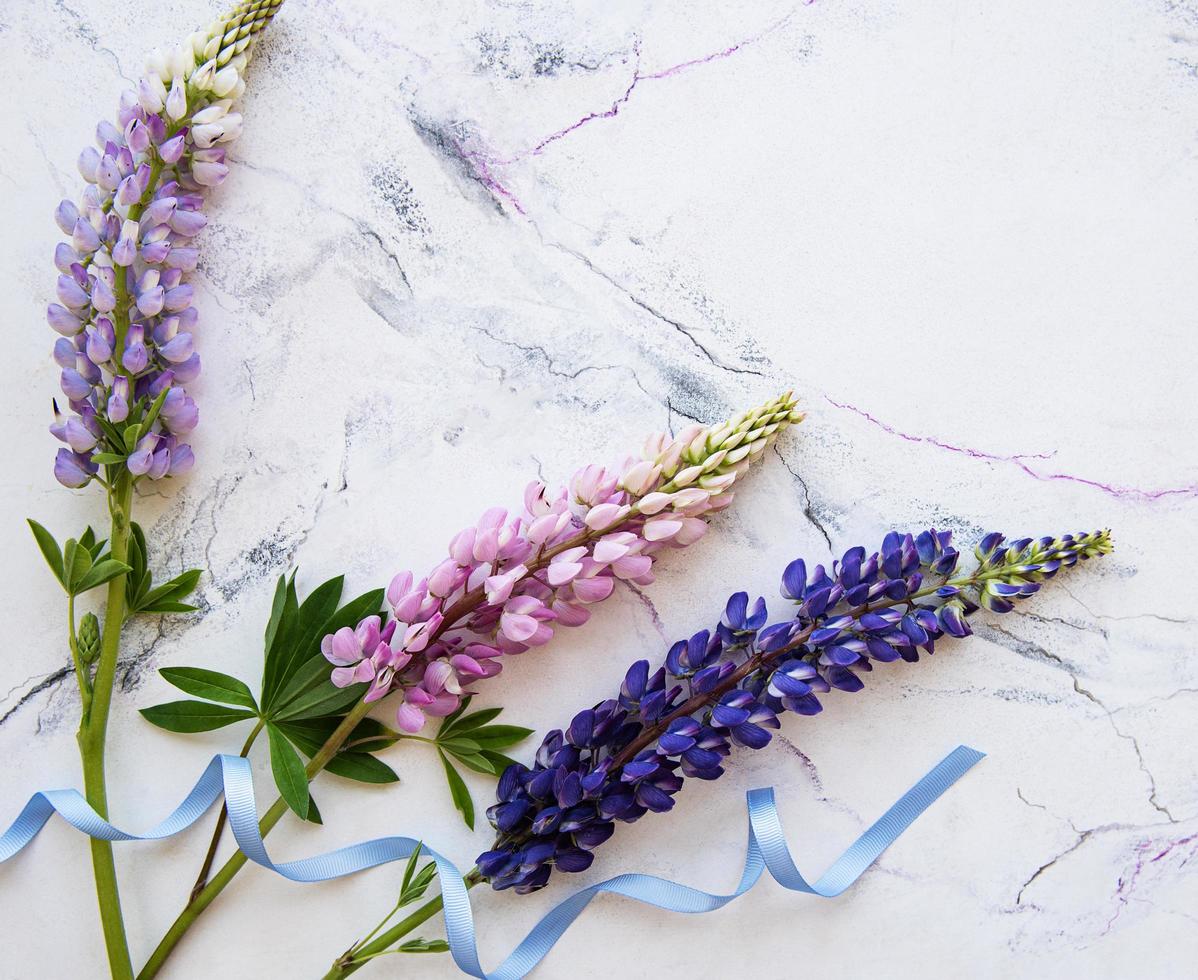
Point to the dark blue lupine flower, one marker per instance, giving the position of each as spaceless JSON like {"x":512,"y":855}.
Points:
{"x":632,"y":754}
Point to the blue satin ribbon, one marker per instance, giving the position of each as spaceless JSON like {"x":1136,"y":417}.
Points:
{"x":767,"y":851}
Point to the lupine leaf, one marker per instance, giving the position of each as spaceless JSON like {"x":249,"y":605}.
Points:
{"x":49,"y":549}
{"x":193,"y":716}
{"x":408,"y":871}
{"x":313,"y":613}
{"x":458,"y":791}
{"x":476,"y":762}
{"x":281,"y":634}
{"x":321,"y":701}
{"x":308,"y":669}
{"x":415,"y":886}
{"x":498,"y":760}
{"x":103,"y":571}
{"x":465,"y":724}
{"x":500,"y":736}
{"x":210,"y":684}
{"x":357,"y":765}
{"x":362,"y":767}
{"x":288,"y":771}
{"x":424,"y":946}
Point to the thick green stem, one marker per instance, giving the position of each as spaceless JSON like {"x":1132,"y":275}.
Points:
{"x":357,"y":959}
{"x":93,"y":730}
{"x":207,"y":895}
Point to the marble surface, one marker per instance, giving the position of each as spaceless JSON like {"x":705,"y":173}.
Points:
{"x":466,"y":243}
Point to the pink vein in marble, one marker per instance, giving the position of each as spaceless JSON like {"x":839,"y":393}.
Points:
{"x":1021,"y":461}
{"x":637,"y":77}
{"x":484,"y":163}
{"x":1152,"y":859}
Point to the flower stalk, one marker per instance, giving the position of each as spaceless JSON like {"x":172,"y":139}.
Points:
{"x":507,"y":583}
{"x":630,"y":755}
{"x":124,"y":316}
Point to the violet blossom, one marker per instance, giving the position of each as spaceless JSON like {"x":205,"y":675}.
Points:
{"x":123,"y":311}
{"x":510,"y":581}
{"x":630,"y":755}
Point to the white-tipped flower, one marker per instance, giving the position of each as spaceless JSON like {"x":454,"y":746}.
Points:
{"x":181,"y":61}
{"x":176,"y":100}
{"x":201,"y":78}
{"x":156,"y":66}
{"x":224,"y":82}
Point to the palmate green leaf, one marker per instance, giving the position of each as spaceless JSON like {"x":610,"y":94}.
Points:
{"x":314,"y":612}
{"x":141,"y":596}
{"x":308,"y":737}
{"x":288,"y":770}
{"x":476,"y":762}
{"x":280,"y":632}
{"x":194,"y":716}
{"x":102,"y":571}
{"x":76,"y":563}
{"x":499,"y":736}
{"x":170,"y":592}
{"x":498,"y":760}
{"x":463,"y":725}
{"x":458,"y":791}
{"x":49,"y":549}
{"x":210,"y":684}
{"x":414,"y":887}
{"x":311,"y":670}
{"x":408,"y":871}
{"x":323,"y":700}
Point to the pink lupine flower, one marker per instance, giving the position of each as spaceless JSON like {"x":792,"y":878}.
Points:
{"x":510,"y":581}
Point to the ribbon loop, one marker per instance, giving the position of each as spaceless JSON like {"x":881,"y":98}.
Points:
{"x":766,"y":851}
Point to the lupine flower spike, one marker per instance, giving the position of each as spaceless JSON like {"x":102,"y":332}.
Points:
{"x":509,"y":581}
{"x":124,"y":310}
{"x":630,"y":755}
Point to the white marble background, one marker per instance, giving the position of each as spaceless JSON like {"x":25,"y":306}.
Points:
{"x":466,"y":243}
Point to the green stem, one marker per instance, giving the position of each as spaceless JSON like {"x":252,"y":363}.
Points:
{"x":207,"y":895}
{"x":221,"y":820}
{"x":356,"y":959}
{"x":93,"y":730}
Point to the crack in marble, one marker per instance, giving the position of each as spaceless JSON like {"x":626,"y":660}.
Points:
{"x":656,"y":314}
{"x":807,"y":505}
{"x":638,"y":77}
{"x":1019,"y":460}
{"x":46,"y":682}
{"x":1035,"y":652}
{"x":1082,"y":837}
{"x":89,"y":36}
{"x":537,"y":350}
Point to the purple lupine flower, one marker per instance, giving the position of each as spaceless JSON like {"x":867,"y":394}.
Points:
{"x":510,"y":581}
{"x":131,"y":242}
{"x":630,"y":755}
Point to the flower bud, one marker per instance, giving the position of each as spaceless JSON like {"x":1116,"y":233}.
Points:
{"x":151,"y":94}
{"x":176,"y":100}
{"x":88,"y":642}
{"x":88,"y":163}
{"x":224,"y":82}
